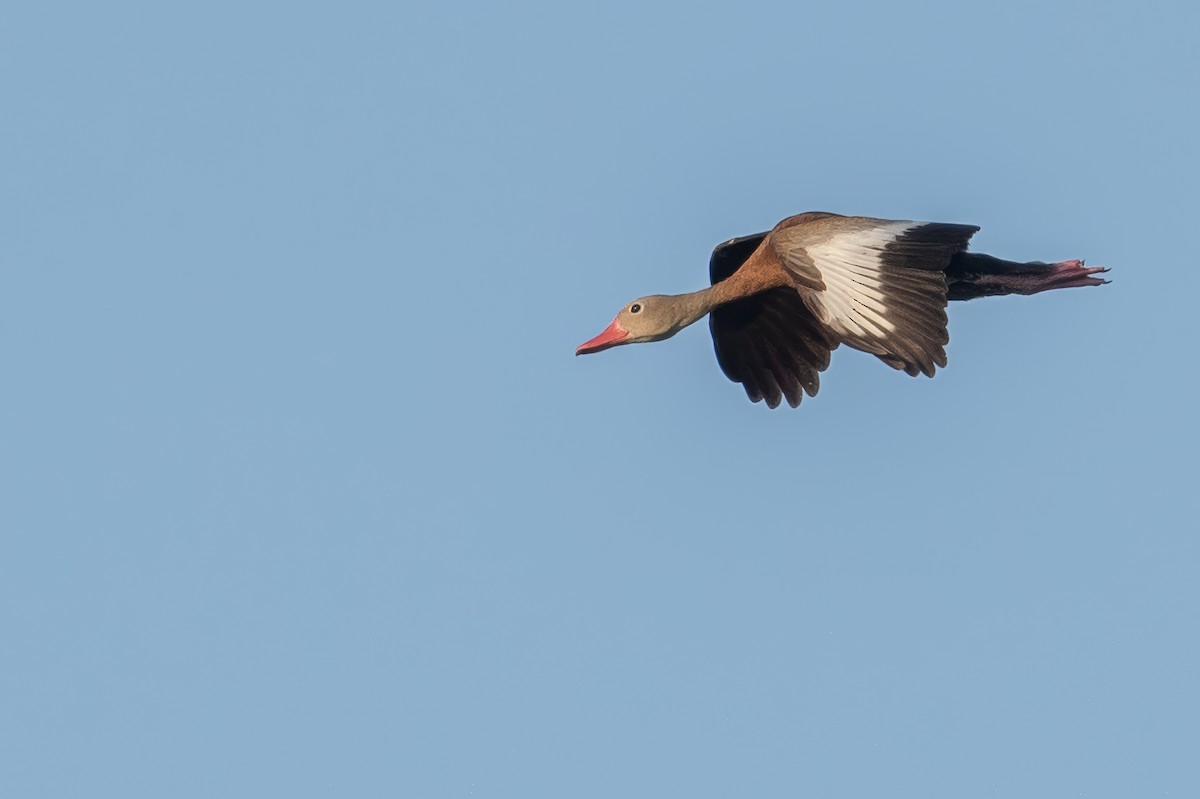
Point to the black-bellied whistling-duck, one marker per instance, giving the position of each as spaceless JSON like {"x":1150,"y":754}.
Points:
{"x":781,"y":302}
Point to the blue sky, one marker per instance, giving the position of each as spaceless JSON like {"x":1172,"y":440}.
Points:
{"x":304,"y":493}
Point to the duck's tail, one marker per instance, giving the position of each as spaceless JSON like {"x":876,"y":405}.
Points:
{"x":972,"y":275}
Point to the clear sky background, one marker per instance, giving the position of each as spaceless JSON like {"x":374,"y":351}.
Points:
{"x":304,"y":493}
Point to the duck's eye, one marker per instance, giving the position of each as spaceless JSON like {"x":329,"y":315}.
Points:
{"x":635,"y":308}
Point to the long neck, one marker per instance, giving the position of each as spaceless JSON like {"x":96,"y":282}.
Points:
{"x":742,"y":283}
{"x":695,"y":305}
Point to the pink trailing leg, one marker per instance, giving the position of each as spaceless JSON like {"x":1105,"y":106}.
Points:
{"x":1030,"y":278}
{"x":1069,"y":274}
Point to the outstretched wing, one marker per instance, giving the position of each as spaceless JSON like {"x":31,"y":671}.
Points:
{"x":769,"y":342}
{"x":878,"y":285}
{"x":729,"y":255}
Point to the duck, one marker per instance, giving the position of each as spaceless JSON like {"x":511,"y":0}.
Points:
{"x":780,"y":302}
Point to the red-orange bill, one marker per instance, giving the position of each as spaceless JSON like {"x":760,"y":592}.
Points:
{"x":611,"y":336}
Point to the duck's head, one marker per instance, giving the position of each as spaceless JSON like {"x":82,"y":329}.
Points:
{"x":652,"y":318}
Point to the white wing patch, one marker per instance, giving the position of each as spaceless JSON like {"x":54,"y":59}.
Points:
{"x":851,"y":263}
{"x":879,"y":285}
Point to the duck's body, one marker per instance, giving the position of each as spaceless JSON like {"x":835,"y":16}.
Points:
{"x":780,"y":302}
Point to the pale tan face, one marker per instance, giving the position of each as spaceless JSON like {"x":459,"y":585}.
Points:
{"x":647,"y":319}
{"x":652,"y":318}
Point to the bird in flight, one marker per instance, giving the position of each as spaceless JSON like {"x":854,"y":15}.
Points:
{"x":780,"y":302}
